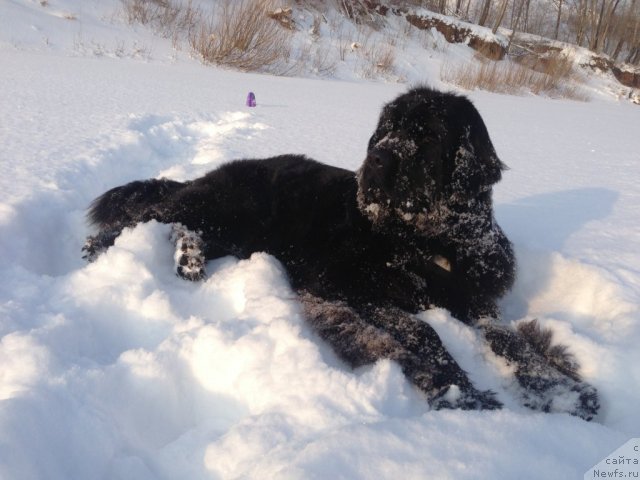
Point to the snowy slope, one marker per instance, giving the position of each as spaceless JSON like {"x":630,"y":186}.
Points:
{"x":120,"y":370}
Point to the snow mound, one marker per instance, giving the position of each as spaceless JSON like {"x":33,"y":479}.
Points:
{"x":119,"y":369}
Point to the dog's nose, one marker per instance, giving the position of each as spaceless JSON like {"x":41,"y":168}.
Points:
{"x":379,"y":158}
{"x":379,"y":170}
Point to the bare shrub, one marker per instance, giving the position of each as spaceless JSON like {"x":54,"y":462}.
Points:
{"x":144,"y":11}
{"x":400,"y":36}
{"x":378,"y":59}
{"x":383,"y":57}
{"x":168,"y":18}
{"x":555,"y":64}
{"x":432,"y":40}
{"x":511,"y":78}
{"x":322,"y":62}
{"x":343,"y":38}
{"x":240,"y":35}
{"x":317,"y":22}
{"x":320,"y":58}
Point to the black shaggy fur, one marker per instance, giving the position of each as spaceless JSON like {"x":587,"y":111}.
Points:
{"x":411,"y":229}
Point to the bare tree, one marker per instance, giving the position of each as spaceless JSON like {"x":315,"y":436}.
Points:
{"x":525,"y":24}
{"x":466,"y":12}
{"x":595,"y":35}
{"x":514,"y":24}
{"x":484,"y":14}
{"x":606,"y":28}
{"x":517,"y":8}
{"x":623,"y":28}
{"x":633,"y":56}
{"x":555,"y":35}
{"x":600,"y":23}
{"x":458,"y":11}
{"x":501,"y":12}
{"x":581,"y":8}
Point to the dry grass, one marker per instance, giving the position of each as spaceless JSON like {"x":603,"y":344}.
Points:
{"x":242,"y":36}
{"x":238,"y":34}
{"x":377,"y":60}
{"x":512,"y":78}
{"x":383,"y":57}
{"x":555,"y":64}
{"x":166,"y":17}
{"x":341,"y":34}
{"x":323,"y":62}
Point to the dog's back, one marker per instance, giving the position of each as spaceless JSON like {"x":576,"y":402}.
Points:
{"x":241,"y":207}
{"x":270,"y":205}
{"x":129,"y":204}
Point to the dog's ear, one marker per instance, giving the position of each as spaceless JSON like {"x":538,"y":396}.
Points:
{"x":386,"y":123}
{"x":476,"y":166}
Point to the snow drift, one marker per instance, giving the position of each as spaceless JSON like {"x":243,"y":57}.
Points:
{"x":118,"y":369}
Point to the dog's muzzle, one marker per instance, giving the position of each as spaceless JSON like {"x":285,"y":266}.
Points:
{"x":377,"y":174}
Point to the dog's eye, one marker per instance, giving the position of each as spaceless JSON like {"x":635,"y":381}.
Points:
{"x":380,"y":158}
{"x":429,"y":139}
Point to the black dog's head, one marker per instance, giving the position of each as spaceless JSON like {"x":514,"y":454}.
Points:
{"x":430,"y":150}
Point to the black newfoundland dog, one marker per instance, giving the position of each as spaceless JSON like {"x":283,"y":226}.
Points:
{"x":413,"y":228}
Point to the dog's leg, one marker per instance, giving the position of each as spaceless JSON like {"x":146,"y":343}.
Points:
{"x":431,"y":366}
{"x":395,"y":335}
{"x":95,"y":245}
{"x":546,"y":375}
{"x":189,"y":254}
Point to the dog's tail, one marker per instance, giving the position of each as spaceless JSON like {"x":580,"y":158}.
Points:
{"x":135,"y":202}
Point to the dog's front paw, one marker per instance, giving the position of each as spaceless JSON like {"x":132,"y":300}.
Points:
{"x":96,"y":244}
{"x":190,"y":272}
{"x":558,"y":393}
{"x":546,"y":375}
{"x":453,"y":397}
{"x":90,"y":249}
{"x":189,"y":255}
{"x":588,"y":404}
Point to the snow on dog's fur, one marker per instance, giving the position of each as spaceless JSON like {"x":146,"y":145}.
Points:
{"x":412,"y":229}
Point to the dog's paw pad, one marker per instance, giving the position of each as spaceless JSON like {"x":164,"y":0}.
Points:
{"x":588,"y":402}
{"x":190,"y":273}
{"x":189,"y":257}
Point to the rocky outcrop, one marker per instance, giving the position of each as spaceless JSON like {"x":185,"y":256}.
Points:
{"x":457,"y":32}
{"x":537,"y":54}
{"x":627,"y":77}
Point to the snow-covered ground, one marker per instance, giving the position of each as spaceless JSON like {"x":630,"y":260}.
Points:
{"x":120,"y":370}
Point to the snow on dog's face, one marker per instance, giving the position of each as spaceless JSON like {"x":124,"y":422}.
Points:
{"x":429,"y":152}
